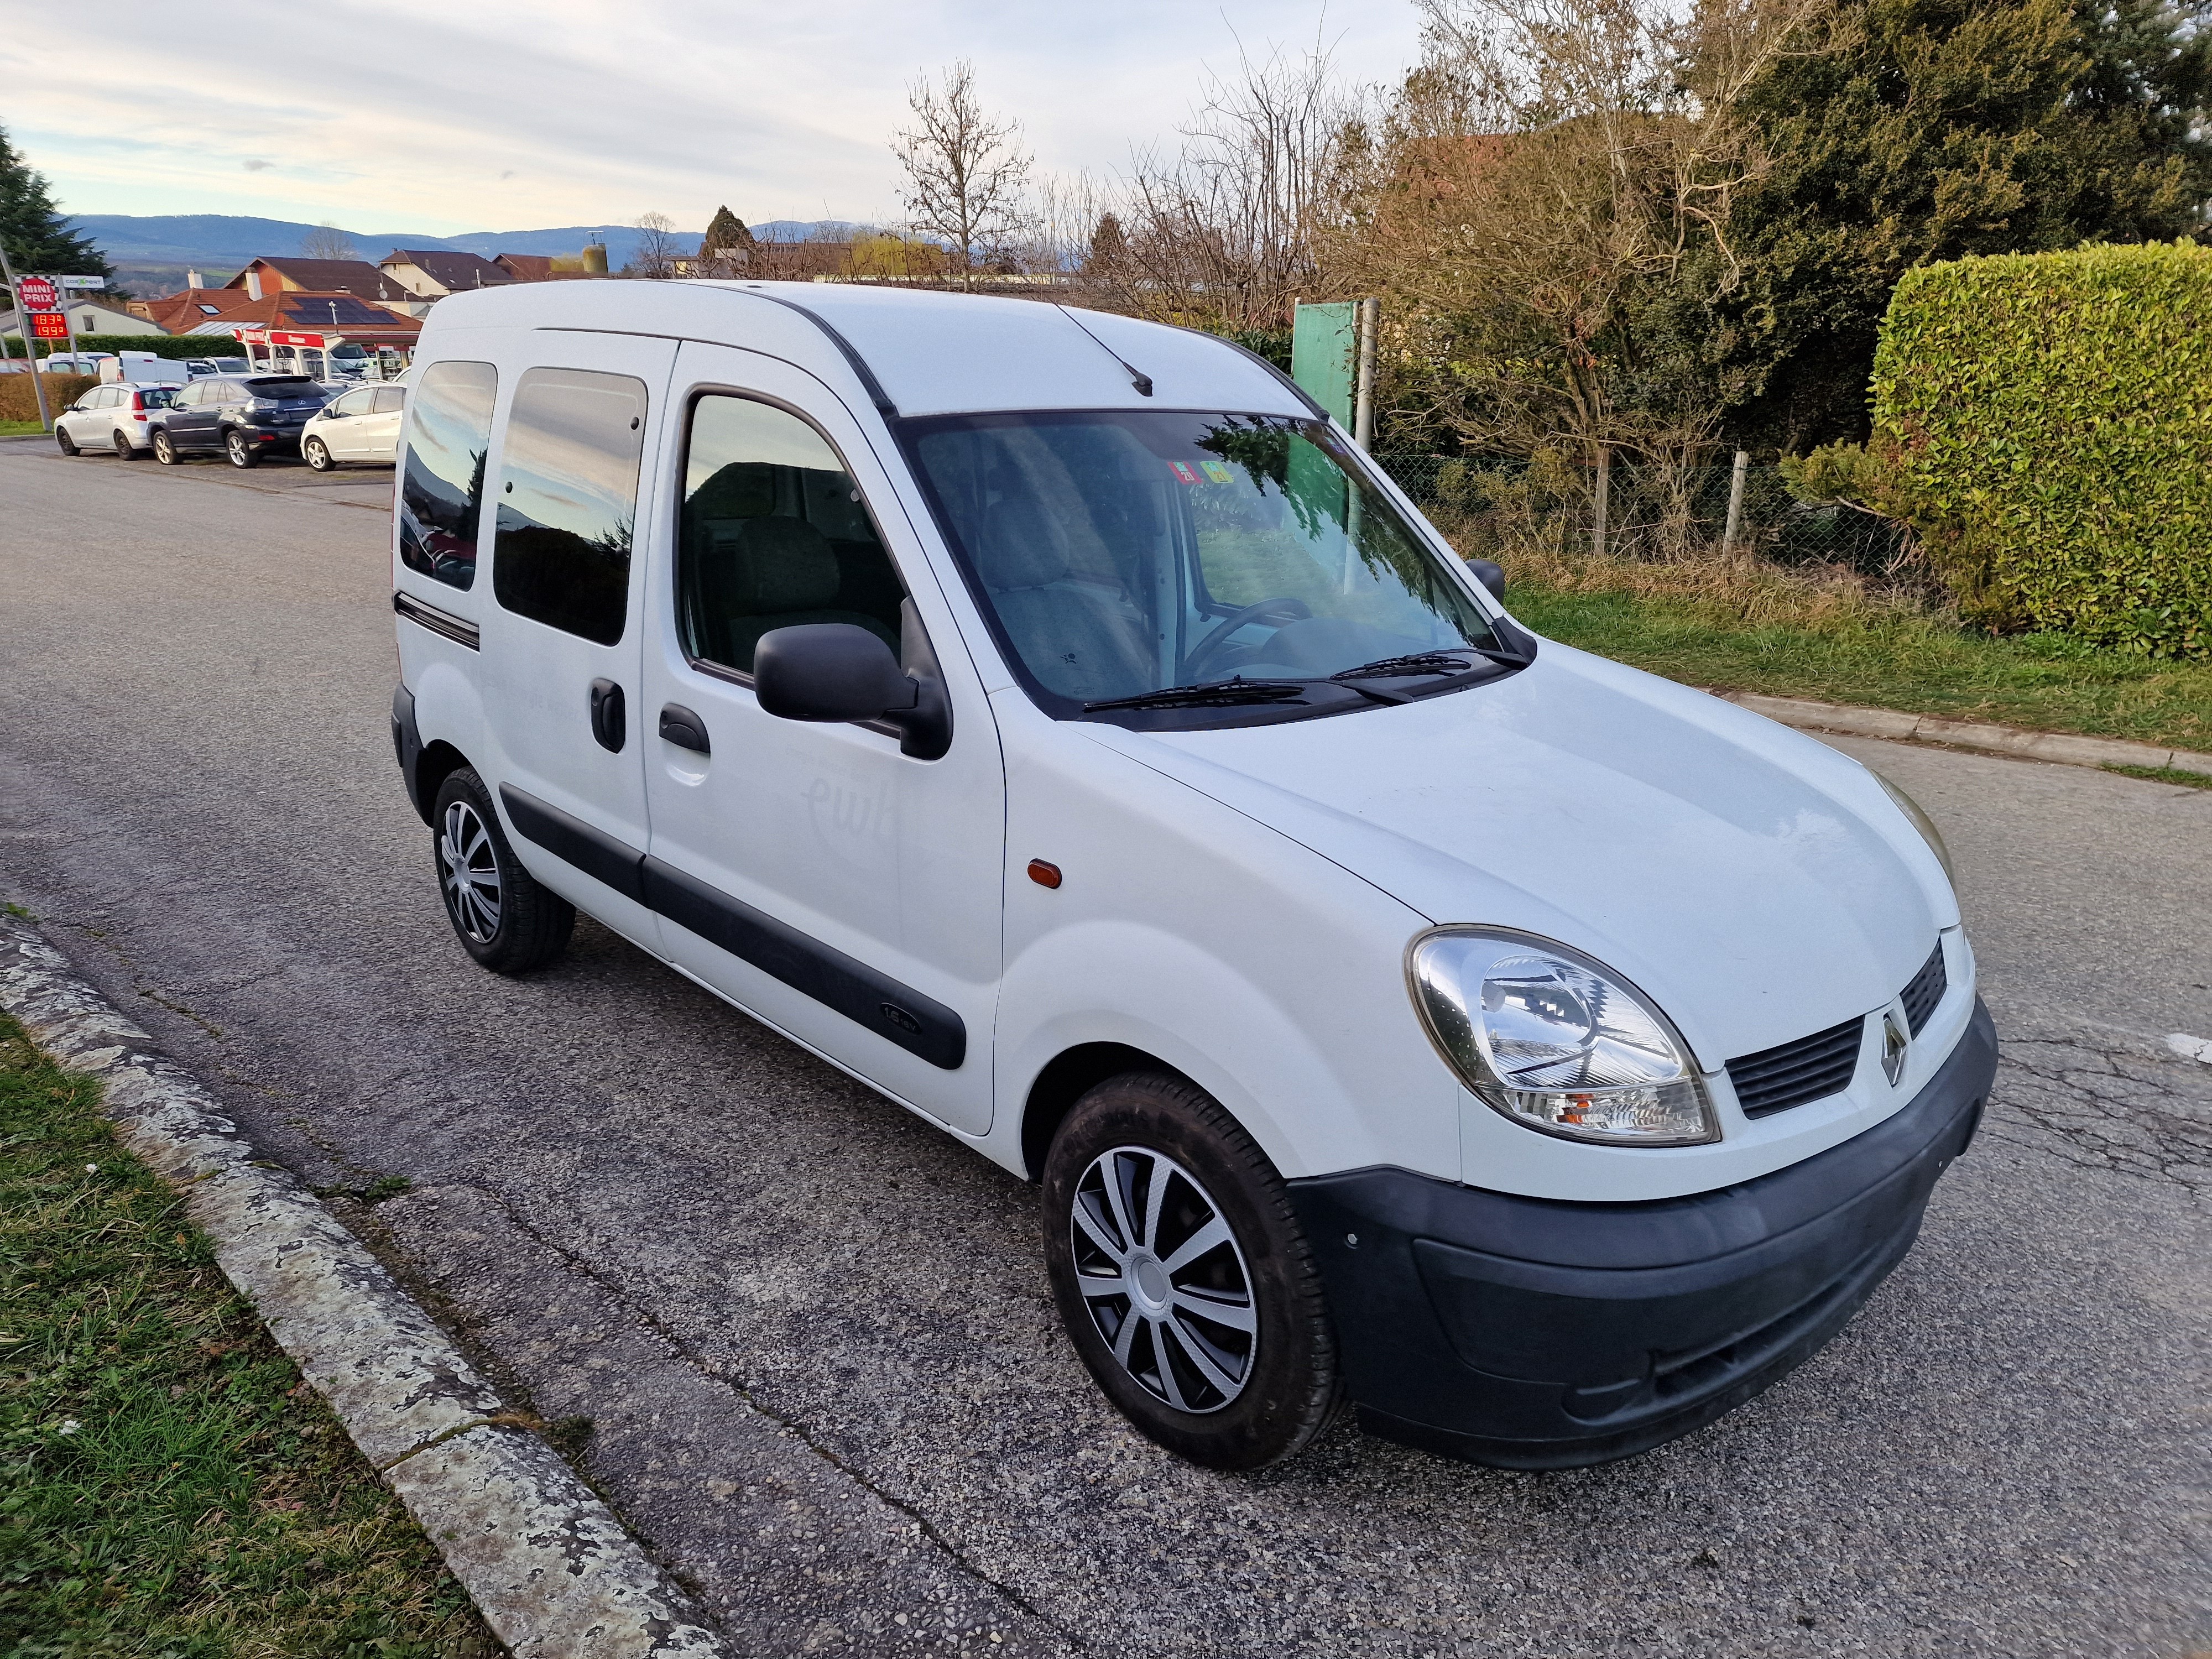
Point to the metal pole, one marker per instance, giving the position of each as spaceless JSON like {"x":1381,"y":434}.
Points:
{"x":69,"y":327}
{"x":30,"y":347}
{"x":1604,"y":491}
{"x":1362,"y":411}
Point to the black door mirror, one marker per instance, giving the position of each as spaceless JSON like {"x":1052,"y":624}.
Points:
{"x":834,"y":671}
{"x":1492,"y":575}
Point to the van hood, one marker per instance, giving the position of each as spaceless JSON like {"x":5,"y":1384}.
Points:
{"x":1756,"y":884}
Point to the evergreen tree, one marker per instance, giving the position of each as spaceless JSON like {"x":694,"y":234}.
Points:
{"x":726,"y":234}
{"x":1933,"y":129}
{"x":37,"y":235}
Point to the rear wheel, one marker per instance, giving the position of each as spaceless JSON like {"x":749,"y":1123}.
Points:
{"x":1183,"y":1277}
{"x":317,"y":454}
{"x":504,"y":919}
{"x":240,"y":451}
{"x":62,"y":441}
{"x":123,"y":445}
{"x":164,"y":451}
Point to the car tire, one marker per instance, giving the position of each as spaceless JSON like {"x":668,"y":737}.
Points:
{"x":164,"y":448}
{"x":238,"y":452}
{"x":123,"y":449}
{"x":317,"y":454}
{"x":1228,"y":1357}
{"x":64,"y":442}
{"x":503,"y":916}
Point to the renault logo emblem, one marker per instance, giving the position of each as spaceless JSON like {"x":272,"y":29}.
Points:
{"x":1894,"y":1042}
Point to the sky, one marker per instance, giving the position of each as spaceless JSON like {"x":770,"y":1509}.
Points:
{"x":430,"y":116}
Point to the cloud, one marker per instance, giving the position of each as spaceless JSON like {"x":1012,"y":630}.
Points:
{"x":587,"y":113}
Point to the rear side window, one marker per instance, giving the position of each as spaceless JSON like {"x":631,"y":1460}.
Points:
{"x":772,"y":533}
{"x":390,"y":399}
{"x":441,"y":493}
{"x":569,"y":499}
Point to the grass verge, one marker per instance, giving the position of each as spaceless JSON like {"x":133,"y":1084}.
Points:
{"x":20,"y":430}
{"x":1743,"y":627}
{"x":169,"y":1485}
{"x":2164,"y":775}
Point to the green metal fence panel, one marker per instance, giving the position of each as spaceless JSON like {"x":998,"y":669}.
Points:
{"x":1323,"y":339}
{"x":1650,"y":512}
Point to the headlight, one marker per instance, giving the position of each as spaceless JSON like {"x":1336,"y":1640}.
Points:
{"x":1921,"y":822}
{"x":1557,"y":1043}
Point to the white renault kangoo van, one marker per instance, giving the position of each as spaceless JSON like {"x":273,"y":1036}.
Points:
{"x":1052,"y":720}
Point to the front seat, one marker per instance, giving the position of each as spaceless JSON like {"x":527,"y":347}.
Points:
{"x":1081,"y":639}
{"x":756,"y":574}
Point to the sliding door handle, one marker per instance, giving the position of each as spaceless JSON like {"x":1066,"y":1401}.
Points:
{"x":607,"y":715}
{"x":680,"y":726}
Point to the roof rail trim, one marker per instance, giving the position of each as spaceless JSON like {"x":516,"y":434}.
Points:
{"x":877,"y":395}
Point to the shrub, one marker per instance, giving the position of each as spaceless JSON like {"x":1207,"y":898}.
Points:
{"x":2049,"y":419}
{"x":19,"y":400}
{"x":176,"y":346}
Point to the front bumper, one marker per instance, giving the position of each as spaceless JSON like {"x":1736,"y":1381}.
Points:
{"x":1534,"y":1333}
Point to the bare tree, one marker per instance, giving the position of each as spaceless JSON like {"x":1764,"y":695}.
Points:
{"x":965,"y":172}
{"x":327,"y":241}
{"x":656,"y":256}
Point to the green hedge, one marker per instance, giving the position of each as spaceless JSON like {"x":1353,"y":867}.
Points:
{"x":2051,"y":415}
{"x":178,"y":346}
{"x":18,"y":398}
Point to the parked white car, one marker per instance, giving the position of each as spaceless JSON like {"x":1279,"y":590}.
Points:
{"x":120,"y":418}
{"x":359,"y":425}
{"x":1054,"y":721}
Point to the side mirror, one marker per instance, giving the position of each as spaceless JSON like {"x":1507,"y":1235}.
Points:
{"x":836,"y":671}
{"x":1492,"y":575}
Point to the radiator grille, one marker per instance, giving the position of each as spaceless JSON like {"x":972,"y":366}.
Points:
{"x":1926,"y":990}
{"x":1811,"y":1068}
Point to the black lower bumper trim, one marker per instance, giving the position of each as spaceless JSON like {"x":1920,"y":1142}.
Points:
{"x":1533,"y":1333}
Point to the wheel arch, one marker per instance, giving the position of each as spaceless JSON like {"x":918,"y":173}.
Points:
{"x":1066,"y":1078}
{"x":439,"y":761}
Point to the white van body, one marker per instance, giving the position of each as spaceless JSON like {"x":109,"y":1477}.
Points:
{"x":1252,"y":909}
{"x":143,"y":368}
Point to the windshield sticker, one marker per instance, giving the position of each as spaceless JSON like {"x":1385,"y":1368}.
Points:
{"x":1183,"y":470}
{"x":1218,"y":471}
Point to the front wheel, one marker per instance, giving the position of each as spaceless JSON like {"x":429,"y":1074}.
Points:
{"x":504,"y":919}
{"x":239,"y":452}
{"x":1183,"y":1277}
{"x":64,"y":442}
{"x":165,"y":450}
{"x":317,"y":454}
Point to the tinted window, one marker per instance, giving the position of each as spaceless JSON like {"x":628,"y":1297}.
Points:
{"x":156,"y":397}
{"x":772,"y":533}
{"x":390,"y":399}
{"x":569,"y":499}
{"x":189,"y":397}
{"x":441,"y":491}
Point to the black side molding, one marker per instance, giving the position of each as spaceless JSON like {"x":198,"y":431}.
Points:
{"x":459,"y":629}
{"x":595,"y":852}
{"x":407,"y":744}
{"x":920,"y":1024}
{"x":898,"y":1013}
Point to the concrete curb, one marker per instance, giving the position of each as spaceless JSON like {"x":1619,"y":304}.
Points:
{"x":2062,"y":747}
{"x":547,"y":1564}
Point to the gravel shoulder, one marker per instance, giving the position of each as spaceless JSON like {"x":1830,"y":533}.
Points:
{"x":814,"y":1338}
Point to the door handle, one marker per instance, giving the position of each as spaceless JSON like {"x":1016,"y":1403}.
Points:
{"x":680,"y":726}
{"x":607,"y":715}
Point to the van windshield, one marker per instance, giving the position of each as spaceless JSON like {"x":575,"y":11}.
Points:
{"x":1150,"y":568}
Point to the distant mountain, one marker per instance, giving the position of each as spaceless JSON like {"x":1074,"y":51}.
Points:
{"x":227,"y":242}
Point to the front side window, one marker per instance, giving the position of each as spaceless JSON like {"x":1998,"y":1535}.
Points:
{"x":772,"y":533}
{"x":354,"y":402}
{"x":442,"y":486}
{"x":1130,"y":555}
{"x":569,"y":499}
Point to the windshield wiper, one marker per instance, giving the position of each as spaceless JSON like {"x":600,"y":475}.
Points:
{"x":1432,"y":662}
{"x":1221,"y":694}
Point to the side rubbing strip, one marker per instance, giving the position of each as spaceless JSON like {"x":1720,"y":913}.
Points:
{"x":917,"y":1024}
{"x":459,"y":629}
{"x":595,"y":852}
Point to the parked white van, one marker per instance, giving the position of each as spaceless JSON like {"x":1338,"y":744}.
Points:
{"x":1052,"y":720}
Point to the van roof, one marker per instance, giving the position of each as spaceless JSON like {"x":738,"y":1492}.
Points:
{"x":926,"y":352}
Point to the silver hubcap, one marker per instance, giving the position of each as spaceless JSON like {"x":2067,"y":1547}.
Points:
{"x":469,"y":872}
{"x":1164,"y":1279}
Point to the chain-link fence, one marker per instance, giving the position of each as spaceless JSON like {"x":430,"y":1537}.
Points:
{"x":1650,"y":512}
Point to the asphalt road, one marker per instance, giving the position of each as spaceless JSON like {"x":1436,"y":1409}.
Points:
{"x":814,"y":1337}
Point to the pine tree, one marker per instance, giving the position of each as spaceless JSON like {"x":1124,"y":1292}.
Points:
{"x":726,"y":234}
{"x":36,"y":234}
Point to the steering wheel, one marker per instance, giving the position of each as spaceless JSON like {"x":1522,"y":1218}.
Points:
{"x":1290,"y":610}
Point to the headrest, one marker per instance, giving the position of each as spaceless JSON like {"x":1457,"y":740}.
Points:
{"x":1019,"y":547}
{"x":777,"y":565}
